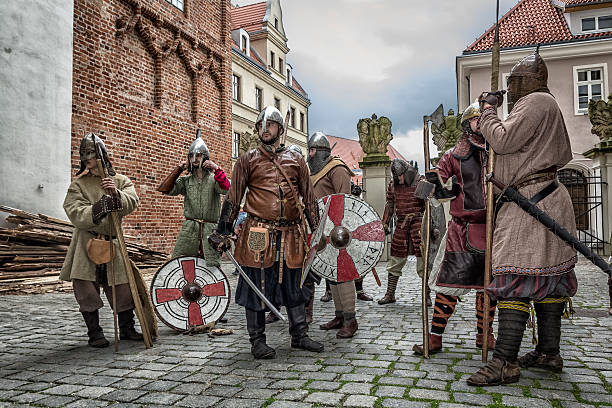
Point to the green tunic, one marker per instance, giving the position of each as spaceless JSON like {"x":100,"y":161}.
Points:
{"x":202,"y":202}
{"x":82,"y":194}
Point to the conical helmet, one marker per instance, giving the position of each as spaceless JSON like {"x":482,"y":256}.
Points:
{"x":89,"y":149}
{"x":527,"y":76}
{"x":269,"y":113}
{"x":197,"y":147}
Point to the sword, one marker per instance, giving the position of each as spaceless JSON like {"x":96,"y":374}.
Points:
{"x":255,"y":289}
{"x":531,"y":209}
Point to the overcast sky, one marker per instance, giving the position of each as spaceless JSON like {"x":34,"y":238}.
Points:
{"x":395,"y":58}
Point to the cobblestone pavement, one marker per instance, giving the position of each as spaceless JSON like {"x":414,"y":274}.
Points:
{"x":45,"y":360}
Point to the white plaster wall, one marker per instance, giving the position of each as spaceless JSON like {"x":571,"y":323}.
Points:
{"x":35,"y":104}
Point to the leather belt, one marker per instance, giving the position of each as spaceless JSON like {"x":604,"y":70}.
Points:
{"x":545,"y":192}
{"x":200,"y":221}
{"x":276,"y":223}
{"x":106,"y":237}
{"x":534,"y":179}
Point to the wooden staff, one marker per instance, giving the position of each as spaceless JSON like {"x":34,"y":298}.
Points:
{"x":425,"y":246}
{"x":116,"y":227}
{"x":490,"y":202}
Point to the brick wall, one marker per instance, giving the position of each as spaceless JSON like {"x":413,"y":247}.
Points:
{"x":146,"y":75}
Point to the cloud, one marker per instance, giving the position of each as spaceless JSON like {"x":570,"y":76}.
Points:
{"x":410,"y":145}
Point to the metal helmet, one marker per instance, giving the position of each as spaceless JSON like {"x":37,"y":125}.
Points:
{"x":401,"y":167}
{"x":270,"y":114}
{"x":296,"y":149}
{"x":527,"y":76}
{"x":197,"y":147}
{"x":472,"y":111}
{"x":89,"y":149}
{"x":322,"y":156}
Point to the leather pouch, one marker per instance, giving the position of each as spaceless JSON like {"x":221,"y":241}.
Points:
{"x":258,"y":240}
{"x":99,"y":250}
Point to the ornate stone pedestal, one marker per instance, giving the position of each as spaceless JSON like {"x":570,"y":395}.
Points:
{"x":601,"y":155}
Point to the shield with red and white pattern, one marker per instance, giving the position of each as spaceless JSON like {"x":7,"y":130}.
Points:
{"x":355,"y":239}
{"x":186,"y":293}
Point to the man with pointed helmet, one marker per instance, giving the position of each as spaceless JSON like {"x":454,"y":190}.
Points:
{"x":87,"y":205}
{"x":202,"y":189}
{"x":529,"y":263}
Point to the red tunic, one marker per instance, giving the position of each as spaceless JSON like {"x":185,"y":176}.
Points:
{"x":409,"y":211}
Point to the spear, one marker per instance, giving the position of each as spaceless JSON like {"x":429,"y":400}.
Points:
{"x":490,"y":202}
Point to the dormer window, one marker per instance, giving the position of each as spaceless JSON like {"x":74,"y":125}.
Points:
{"x":272,"y":59}
{"x":276,"y":23}
{"x":599,"y":23}
{"x":280,"y":65}
{"x":243,"y":43}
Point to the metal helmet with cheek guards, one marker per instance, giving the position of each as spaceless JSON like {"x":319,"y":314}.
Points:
{"x":471,"y":112}
{"x":295,"y":148}
{"x":197,"y":147}
{"x":270,"y":114}
{"x":322,"y":156}
{"x":527,"y":76}
{"x":87,"y":150}
{"x":401,"y":167}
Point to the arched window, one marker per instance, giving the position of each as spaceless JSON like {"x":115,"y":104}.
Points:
{"x":576,"y":184}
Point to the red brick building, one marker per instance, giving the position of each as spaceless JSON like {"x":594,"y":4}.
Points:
{"x":146,"y":75}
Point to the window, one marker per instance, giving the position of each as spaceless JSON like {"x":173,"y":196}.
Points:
{"x":258,"y":99}
{"x":176,"y":3}
{"x":277,"y":103}
{"x":589,"y":84}
{"x":292,"y":119}
{"x":236,"y":87}
{"x":236,"y":145}
{"x":280,"y":65}
{"x":301,"y":121}
{"x":272,"y":59}
{"x":243,"y":44}
{"x":276,"y":23}
{"x":599,"y":23}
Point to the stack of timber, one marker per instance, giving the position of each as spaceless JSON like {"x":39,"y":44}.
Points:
{"x":33,"y":251}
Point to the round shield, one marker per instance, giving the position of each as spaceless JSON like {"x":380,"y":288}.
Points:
{"x":354,"y":239}
{"x":185,"y":292}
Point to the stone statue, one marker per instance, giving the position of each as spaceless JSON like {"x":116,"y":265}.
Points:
{"x":374,"y":137}
{"x":600,"y":114}
{"x":248,"y":141}
{"x":446,"y":136}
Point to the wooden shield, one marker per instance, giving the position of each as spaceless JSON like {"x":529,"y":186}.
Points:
{"x":355,"y":239}
{"x":185,"y":292}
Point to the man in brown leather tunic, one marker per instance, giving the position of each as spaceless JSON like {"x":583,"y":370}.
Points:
{"x":330,"y":175}
{"x":271,"y":246}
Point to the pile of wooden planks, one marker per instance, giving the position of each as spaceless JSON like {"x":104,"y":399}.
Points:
{"x":32,"y":252}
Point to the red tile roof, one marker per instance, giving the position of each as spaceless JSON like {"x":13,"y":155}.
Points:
{"x":249,"y":17}
{"x":531,"y":22}
{"x":350,"y":151}
{"x":574,"y":3}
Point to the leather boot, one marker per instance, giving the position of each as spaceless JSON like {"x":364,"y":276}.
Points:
{"x":361,"y":295}
{"x":391,"y":286}
{"x":490,"y":341}
{"x":497,"y":371}
{"x":94,"y":331}
{"x":309,"y":309}
{"x":126,"y":326}
{"x":298,"y":328}
{"x":546,"y":355}
{"x":327,"y":296}
{"x":349,"y":327}
{"x":256,"y":326}
{"x":435,"y":345}
{"x":335,"y":323}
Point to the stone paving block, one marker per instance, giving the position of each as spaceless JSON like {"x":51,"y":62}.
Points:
{"x":291,"y":395}
{"x":318,"y":376}
{"x":6,"y":384}
{"x":287,"y":384}
{"x":390,"y":391}
{"x":87,"y":403}
{"x":324,"y":385}
{"x":338,"y":369}
{"x":256,"y":393}
{"x":586,"y":387}
{"x":240,"y":403}
{"x":396,"y":381}
{"x":37,"y":386}
{"x":408,"y":373}
{"x":357,"y":377}
{"x":64,"y":389}
{"x":566,"y":404}
{"x":556,"y":385}
{"x":324,"y":398}
{"x":227,"y":380}
{"x":55,"y":401}
{"x":160,"y":386}
{"x":356,"y":388}
{"x":123,"y":395}
{"x":93,"y":392}
{"x":401,"y":403}
{"x":190,"y":388}
{"x":198,"y":401}
{"x":359,"y":401}
{"x":289,"y":404}
{"x":552,"y":394}
{"x":452,"y":405}
{"x":25,"y":398}
{"x":162,"y":398}
{"x":130,"y":383}
{"x":473,"y":398}
{"x":423,"y":393}
{"x":222,"y":391}
{"x":595,"y":397}
{"x":525,"y":402}
{"x":435,"y":384}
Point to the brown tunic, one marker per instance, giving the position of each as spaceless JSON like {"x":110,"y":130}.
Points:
{"x":409,"y":211}
{"x":533,"y":138}
{"x":269,"y":197}
{"x":336,"y":181}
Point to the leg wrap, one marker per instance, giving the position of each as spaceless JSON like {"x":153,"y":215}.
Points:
{"x":346,"y":293}
{"x":513,"y":315}
{"x":548,"y":312}
{"x":359,"y":285}
{"x":336,"y":297}
{"x":444,"y":307}
{"x":480,"y":312}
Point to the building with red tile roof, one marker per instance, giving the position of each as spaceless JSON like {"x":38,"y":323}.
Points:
{"x":350,"y":151}
{"x":575,"y":38}
{"x":262,"y":75}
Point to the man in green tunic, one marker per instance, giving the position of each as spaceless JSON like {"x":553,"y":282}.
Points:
{"x":202,"y":190}
{"x":87,"y":205}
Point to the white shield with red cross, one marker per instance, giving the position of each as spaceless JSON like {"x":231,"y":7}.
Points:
{"x":185,"y":293}
{"x":354,"y":237}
